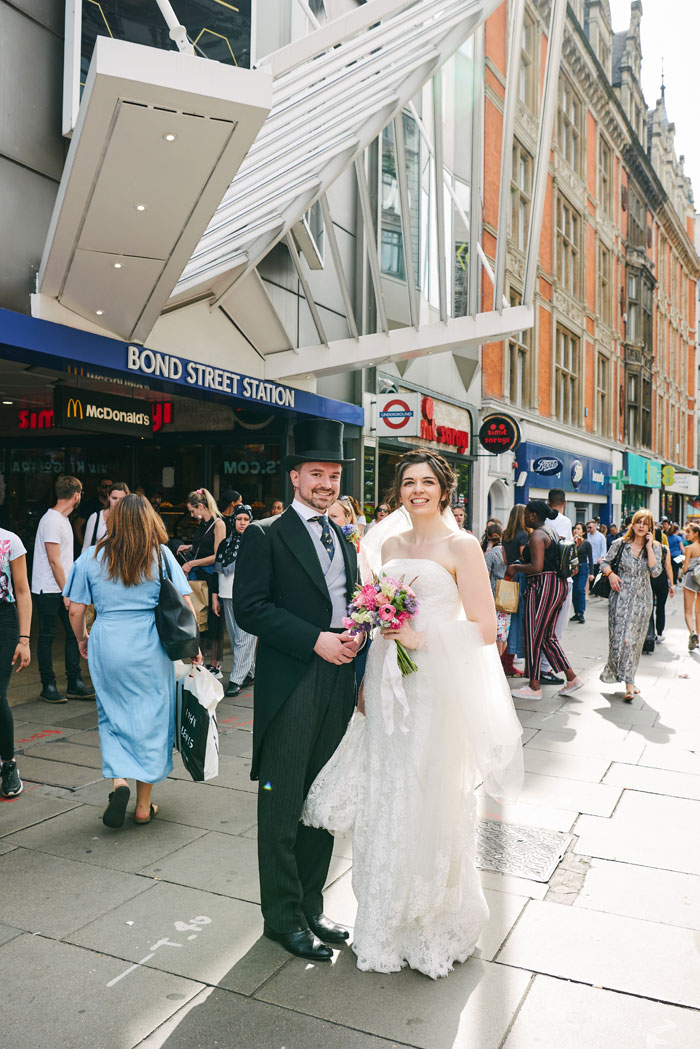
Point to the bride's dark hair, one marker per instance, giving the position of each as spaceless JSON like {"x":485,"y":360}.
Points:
{"x":440,"y":467}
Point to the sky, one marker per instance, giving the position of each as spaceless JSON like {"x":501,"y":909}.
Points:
{"x":671,"y":32}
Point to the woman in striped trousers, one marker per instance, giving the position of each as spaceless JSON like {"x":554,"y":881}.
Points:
{"x":546,"y":593}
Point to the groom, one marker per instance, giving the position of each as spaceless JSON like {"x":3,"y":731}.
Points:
{"x":294,"y":577}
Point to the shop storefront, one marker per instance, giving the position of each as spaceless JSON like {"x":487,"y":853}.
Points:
{"x":156,"y":421}
{"x":586,"y":481}
{"x":642,"y":483}
{"x":418,"y":419}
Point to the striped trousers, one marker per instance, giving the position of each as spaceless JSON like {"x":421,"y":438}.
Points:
{"x":546,"y":593}
{"x":243,"y":645}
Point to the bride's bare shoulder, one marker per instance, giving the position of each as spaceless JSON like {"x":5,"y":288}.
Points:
{"x":391,"y":547}
{"x":464,"y":546}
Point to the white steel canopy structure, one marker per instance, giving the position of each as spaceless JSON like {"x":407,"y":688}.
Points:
{"x":330,"y":95}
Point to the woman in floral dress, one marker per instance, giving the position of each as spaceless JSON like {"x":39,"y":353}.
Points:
{"x":631,"y":599}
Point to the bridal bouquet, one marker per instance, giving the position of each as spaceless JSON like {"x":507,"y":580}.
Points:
{"x":385,"y":603}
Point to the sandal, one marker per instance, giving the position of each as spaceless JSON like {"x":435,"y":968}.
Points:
{"x":114,"y":815}
{"x":149,"y":817}
{"x":629,"y":696}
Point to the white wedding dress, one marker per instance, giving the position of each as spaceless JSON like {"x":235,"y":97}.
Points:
{"x":402,"y":783}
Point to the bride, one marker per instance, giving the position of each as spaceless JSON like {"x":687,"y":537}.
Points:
{"x":403,"y":778}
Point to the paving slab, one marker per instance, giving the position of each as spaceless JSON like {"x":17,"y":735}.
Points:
{"x":29,"y":733}
{"x":547,"y":817}
{"x":209,"y":951}
{"x":619,"y":747}
{"x":667,"y":756}
{"x":562,"y":1015}
{"x":60,"y":895}
{"x":70,"y":753}
{"x":86,"y":737}
{"x":620,"y":953}
{"x":646,"y":829}
{"x":237,"y":742}
{"x":29,"y":808}
{"x":72,"y":1007}
{"x":535,"y":890}
{"x":504,"y":911}
{"x":597,"y":799}
{"x":8,"y":932}
{"x":80,"y":835}
{"x":654,"y":781}
{"x":234,"y":773}
{"x":527,"y":734}
{"x":63,"y":714}
{"x":568,"y":766}
{"x":222,"y":864}
{"x":642,"y":892}
{"x":472,"y":1007}
{"x":219,"y":1018}
{"x":56,"y":773}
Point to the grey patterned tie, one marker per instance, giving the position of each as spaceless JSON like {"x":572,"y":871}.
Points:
{"x":326,"y":534}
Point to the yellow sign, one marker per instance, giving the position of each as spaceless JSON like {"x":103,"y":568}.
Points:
{"x":75,"y":408}
{"x":668,"y":476}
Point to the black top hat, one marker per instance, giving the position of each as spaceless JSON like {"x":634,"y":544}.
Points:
{"x":317,"y":441}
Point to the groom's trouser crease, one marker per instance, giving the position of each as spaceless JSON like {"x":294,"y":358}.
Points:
{"x":294,"y":859}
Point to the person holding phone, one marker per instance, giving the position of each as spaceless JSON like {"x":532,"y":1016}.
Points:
{"x":630,"y":564}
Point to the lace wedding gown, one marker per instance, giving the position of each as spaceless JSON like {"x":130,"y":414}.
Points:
{"x":402,"y":782}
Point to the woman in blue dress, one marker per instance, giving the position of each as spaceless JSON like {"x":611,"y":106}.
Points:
{"x":134,"y":679}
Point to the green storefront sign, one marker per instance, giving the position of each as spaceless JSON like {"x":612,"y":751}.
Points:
{"x":643,"y":472}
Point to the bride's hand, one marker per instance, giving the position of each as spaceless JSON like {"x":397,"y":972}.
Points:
{"x":410,"y":639}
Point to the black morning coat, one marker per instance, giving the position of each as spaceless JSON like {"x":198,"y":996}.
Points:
{"x":280,"y":595}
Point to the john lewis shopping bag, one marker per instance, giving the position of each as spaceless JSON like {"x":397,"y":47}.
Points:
{"x":196,"y":731}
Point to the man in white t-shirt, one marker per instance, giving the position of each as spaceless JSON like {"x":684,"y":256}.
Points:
{"x":53,"y":560}
{"x":599,"y":547}
{"x":561,"y":525}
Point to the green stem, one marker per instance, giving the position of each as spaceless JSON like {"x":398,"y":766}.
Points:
{"x":406,"y":664}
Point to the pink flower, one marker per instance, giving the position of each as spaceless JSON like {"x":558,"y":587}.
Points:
{"x":382,"y":599}
{"x":387,"y":613}
{"x":402,"y":617}
{"x":348,"y":623}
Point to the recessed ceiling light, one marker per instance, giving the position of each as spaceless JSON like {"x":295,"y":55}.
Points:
{"x":117,"y":265}
{"x":99,"y":312}
{"x":140,"y":207}
{"x":170,"y":137}
{"x":8,"y":402}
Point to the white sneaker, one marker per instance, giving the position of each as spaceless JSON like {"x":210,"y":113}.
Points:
{"x":526,"y":693}
{"x":572,"y":686}
{"x":660,"y":637}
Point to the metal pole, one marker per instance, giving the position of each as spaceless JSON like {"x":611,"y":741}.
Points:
{"x":338,"y":263}
{"x":306,"y":288}
{"x":440,"y":196}
{"x":400,"y":153}
{"x":544,"y":141}
{"x":313,"y":20}
{"x":509,"y":105}
{"x":178,"y":33}
{"x":371,"y":241}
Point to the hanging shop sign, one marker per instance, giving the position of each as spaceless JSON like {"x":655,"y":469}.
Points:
{"x":499,"y":433}
{"x":432,"y":430}
{"x":573,"y":473}
{"x":680,"y":483}
{"x":398,"y":415}
{"x":643,"y":472}
{"x":101,"y":413}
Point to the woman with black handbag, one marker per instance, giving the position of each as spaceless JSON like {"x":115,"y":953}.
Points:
{"x":627,"y":567}
{"x":133,"y":674}
{"x":200,"y":566}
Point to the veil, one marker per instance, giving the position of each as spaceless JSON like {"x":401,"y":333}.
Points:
{"x":476,"y":707}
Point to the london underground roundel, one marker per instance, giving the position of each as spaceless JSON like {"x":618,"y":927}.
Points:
{"x":499,"y":433}
{"x":396,"y":414}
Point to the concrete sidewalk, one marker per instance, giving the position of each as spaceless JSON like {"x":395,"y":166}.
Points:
{"x":150,"y":936}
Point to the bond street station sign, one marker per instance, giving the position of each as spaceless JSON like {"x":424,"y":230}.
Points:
{"x":101,"y":413}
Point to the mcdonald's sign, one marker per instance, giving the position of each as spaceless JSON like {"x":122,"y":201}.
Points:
{"x":74,"y":408}
{"x":101,"y":413}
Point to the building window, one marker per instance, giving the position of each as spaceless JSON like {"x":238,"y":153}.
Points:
{"x":602,"y":393}
{"x":520,"y":194}
{"x":632,"y":420}
{"x":569,"y":124}
{"x":392,"y":246}
{"x":604,"y":285}
{"x":566,"y":376}
{"x":567,"y":247}
{"x":636,"y":233}
{"x":605,"y":176}
{"x":519,"y":361}
{"x":528,"y":64}
{"x":646,"y":411}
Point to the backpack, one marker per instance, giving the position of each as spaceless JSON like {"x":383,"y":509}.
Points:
{"x":567,"y":552}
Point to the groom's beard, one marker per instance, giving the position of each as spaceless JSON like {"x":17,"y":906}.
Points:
{"x":319,"y":498}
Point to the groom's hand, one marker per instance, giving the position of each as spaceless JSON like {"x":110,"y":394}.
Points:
{"x":334,"y":649}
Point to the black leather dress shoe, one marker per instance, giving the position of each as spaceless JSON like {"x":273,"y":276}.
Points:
{"x":50,"y":694}
{"x":302,"y":943}
{"x":80,"y":690}
{"x":551,"y":679}
{"x":327,"y":930}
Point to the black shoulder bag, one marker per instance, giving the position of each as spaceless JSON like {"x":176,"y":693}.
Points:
{"x":175,"y":621}
{"x":601,"y":584}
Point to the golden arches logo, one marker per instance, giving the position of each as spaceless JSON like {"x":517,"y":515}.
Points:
{"x":75,"y":408}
